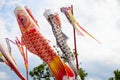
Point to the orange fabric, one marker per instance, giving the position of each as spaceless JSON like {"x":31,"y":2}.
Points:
{"x":36,"y":43}
{"x":70,"y":73}
{"x":57,"y":68}
{"x":58,"y":20}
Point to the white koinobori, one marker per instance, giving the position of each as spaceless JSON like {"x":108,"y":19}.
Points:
{"x":54,"y":21}
{"x":10,"y":61}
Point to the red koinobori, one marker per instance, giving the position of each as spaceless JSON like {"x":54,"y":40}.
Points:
{"x":36,"y":43}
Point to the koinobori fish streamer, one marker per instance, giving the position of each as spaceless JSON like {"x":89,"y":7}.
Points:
{"x":8,"y":59}
{"x":68,"y":11}
{"x":36,"y":43}
{"x":53,"y":19}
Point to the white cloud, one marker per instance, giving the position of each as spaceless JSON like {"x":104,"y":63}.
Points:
{"x":99,"y":17}
{"x":93,"y":78}
{"x":3,"y":76}
{"x":2,"y":2}
{"x":13,"y":3}
{"x":103,"y":26}
{"x":3,"y":31}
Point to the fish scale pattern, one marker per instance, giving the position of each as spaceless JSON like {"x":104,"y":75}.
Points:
{"x":38,"y":45}
{"x":60,"y":39}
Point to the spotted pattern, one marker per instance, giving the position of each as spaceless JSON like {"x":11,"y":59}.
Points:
{"x":60,"y":39}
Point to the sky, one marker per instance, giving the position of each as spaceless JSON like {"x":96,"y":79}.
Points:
{"x":99,"y":17}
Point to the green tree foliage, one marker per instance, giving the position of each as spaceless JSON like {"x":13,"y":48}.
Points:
{"x":116,"y":75}
{"x":111,"y":78}
{"x":82,"y":73}
{"x":42,"y":71}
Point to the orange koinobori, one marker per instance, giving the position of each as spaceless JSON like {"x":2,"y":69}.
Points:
{"x":36,"y":43}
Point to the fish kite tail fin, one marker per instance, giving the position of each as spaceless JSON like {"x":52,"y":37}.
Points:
{"x":65,"y":36}
{"x":87,"y":33}
{"x":60,"y":70}
{"x":73,"y":67}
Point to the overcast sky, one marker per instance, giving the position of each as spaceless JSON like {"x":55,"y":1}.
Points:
{"x":99,"y":17}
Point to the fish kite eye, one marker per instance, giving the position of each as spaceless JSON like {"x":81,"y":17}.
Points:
{"x":23,"y":20}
